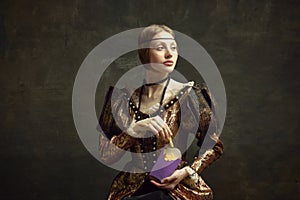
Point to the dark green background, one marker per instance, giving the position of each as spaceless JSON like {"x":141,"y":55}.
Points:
{"x":255,"y":45}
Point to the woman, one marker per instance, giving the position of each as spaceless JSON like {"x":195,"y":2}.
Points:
{"x":147,"y":119}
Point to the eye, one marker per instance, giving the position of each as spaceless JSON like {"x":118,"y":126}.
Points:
{"x":174,"y":48}
{"x":160,"y":48}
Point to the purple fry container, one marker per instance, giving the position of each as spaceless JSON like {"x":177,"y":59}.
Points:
{"x":163,"y":168}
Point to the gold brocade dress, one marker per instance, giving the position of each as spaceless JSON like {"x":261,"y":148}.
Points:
{"x":189,"y":111}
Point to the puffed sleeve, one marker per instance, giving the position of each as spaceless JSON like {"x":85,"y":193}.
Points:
{"x":114,"y":120}
{"x":200,"y":105}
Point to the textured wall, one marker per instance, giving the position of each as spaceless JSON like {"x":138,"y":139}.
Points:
{"x":254,"y":43}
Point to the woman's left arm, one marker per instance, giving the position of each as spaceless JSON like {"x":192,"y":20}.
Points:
{"x":200,"y":112}
{"x":171,"y":181}
{"x":208,"y":130}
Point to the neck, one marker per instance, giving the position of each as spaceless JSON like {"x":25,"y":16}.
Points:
{"x":152,"y":76}
{"x":153,"y":90}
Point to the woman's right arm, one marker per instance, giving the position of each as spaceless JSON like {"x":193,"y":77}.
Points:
{"x":111,"y":150}
{"x":114,"y":118}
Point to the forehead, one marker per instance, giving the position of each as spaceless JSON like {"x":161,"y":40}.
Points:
{"x":163,"y":37}
{"x":162,"y":41}
{"x":163,"y":34}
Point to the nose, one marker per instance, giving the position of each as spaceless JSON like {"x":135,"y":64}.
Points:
{"x":168,"y":54}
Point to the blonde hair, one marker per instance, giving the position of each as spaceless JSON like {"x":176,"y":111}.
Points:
{"x":145,"y":36}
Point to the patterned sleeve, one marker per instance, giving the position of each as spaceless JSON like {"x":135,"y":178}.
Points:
{"x":114,"y":119}
{"x":201,"y":105}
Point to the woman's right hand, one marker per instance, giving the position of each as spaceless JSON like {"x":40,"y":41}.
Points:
{"x":154,"y":124}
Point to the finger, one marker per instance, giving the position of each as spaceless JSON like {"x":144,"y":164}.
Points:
{"x":170,"y":187}
{"x":160,"y":134}
{"x":157,"y":128}
{"x":159,"y":120}
{"x":156,"y":125}
{"x":169,"y":179}
{"x":158,"y":184}
{"x":170,"y":134}
{"x":153,"y":129}
{"x":166,"y":134}
{"x":165,"y":125}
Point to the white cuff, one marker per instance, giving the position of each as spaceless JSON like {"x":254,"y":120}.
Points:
{"x":192,"y":173}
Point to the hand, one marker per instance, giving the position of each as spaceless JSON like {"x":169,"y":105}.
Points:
{"x":154,"y":124}
{"x":171,"y":181}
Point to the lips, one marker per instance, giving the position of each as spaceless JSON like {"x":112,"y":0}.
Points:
{"x":168,"y":63}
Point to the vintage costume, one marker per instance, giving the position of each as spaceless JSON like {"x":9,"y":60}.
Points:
{"x":197,"y":112}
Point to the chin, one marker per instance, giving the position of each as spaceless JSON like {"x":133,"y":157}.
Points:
{"x":169,"y":69}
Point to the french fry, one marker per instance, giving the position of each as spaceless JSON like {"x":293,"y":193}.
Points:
{"x":171,"y":142}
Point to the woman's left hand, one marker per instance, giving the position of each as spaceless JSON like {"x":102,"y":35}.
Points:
{"x":171,"y":181}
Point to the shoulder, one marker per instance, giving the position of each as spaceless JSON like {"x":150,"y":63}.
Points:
{"x":202,"y":91}
{"x":177,"y":86}
{"x":197,"y":92}
{"x":199,"y":88}
{"x":116,"y":93}
{"x":194,"y":91}
{"x":114,"y":98}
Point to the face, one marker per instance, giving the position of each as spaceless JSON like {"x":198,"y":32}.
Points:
{"x":163,"y":53}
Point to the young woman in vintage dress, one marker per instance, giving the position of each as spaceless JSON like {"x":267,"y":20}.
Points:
{"x":163,"y":107}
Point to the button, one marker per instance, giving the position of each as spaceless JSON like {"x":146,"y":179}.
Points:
{"x":130,"y":103}
{"x":154,"y":155}
{"x":154,"y":161}
{"x":145,"y":167}
{"x":143,"y":156}
{"x":177,"y":97}
{"x":133,"y":106}
{"x":144,"y":161}
{"x":142,"y":150}
{"x":154,"y":142}
{"x":154,"y":148}
{"x":172,"y":102}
